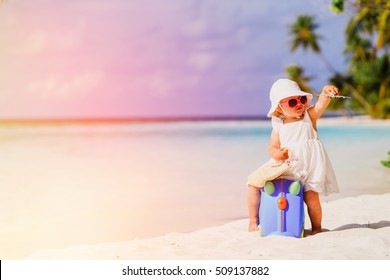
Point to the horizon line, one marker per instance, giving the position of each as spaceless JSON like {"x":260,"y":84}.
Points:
{"x":93,"y":120}
{"x":142,"y":119}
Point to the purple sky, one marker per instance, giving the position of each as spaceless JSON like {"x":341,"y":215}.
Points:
{"x":150,"y":58}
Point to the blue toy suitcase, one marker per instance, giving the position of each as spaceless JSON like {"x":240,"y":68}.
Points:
{"x":281,"y":208}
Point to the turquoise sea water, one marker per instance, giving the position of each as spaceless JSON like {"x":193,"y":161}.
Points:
{"x":70,"y":184}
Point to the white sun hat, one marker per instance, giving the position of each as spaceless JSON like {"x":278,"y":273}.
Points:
{"x":284,"y":88}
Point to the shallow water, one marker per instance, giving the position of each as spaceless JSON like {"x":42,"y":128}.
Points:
{"x":63,"y":185}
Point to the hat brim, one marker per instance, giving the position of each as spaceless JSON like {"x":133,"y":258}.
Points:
{"x":274,"y":104}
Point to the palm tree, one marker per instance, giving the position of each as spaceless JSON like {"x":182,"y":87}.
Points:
{"x":359,"y":50}
{"x":303,"y":34}
{"x":383,"y":27}
{"x":337,"y":6}
{"x":368,"y":41}
{"x":296,"y":73}
{"x":362,"y":23}
{"x":372,"y":20}
{"x":373,"y":79}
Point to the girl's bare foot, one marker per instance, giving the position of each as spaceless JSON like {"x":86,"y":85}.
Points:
{"x":315,"y":230}
{"x":307,"y":232}
{"x":253,"y":226}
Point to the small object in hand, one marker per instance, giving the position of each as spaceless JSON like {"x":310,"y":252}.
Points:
{"x":331,"y":95}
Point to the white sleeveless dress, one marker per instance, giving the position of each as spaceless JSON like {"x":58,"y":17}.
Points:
{"x":310,"y":162}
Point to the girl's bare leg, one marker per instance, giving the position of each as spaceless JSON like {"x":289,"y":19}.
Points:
{"x":314,"y":209}
{"x":253,"y":207}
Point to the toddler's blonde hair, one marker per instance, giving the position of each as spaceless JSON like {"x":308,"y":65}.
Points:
{"x":277,"y":113}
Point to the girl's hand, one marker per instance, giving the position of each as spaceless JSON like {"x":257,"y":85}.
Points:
{"x":324,"y":98}
{"x":329,"y":90}
{"x":281,"y":154}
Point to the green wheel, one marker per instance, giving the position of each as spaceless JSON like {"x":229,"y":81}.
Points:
{"x":269,"y":188}
{"x":294,"y":188}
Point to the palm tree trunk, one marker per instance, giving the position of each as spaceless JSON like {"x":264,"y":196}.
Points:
{"x":326,"y":62}
{"x":366,"y":106}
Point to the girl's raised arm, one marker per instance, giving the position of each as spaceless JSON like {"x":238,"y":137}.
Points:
{"x":319,"y":108}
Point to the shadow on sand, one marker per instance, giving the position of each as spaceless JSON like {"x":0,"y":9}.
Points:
{"x":377,"y":225}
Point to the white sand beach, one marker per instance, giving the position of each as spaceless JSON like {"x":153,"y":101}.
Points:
{"x":66,"y":195}
{"x":358,"y":228}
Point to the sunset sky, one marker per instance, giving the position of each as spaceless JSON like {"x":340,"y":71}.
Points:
{"x":153,"y":58}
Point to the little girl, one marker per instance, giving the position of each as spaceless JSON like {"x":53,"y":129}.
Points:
{"x":294,"y":130}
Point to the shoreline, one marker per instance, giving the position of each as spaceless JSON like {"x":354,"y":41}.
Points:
{"x":355,"y":119}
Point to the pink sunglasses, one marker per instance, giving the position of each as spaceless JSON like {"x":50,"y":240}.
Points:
{"x":292,"y":102}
